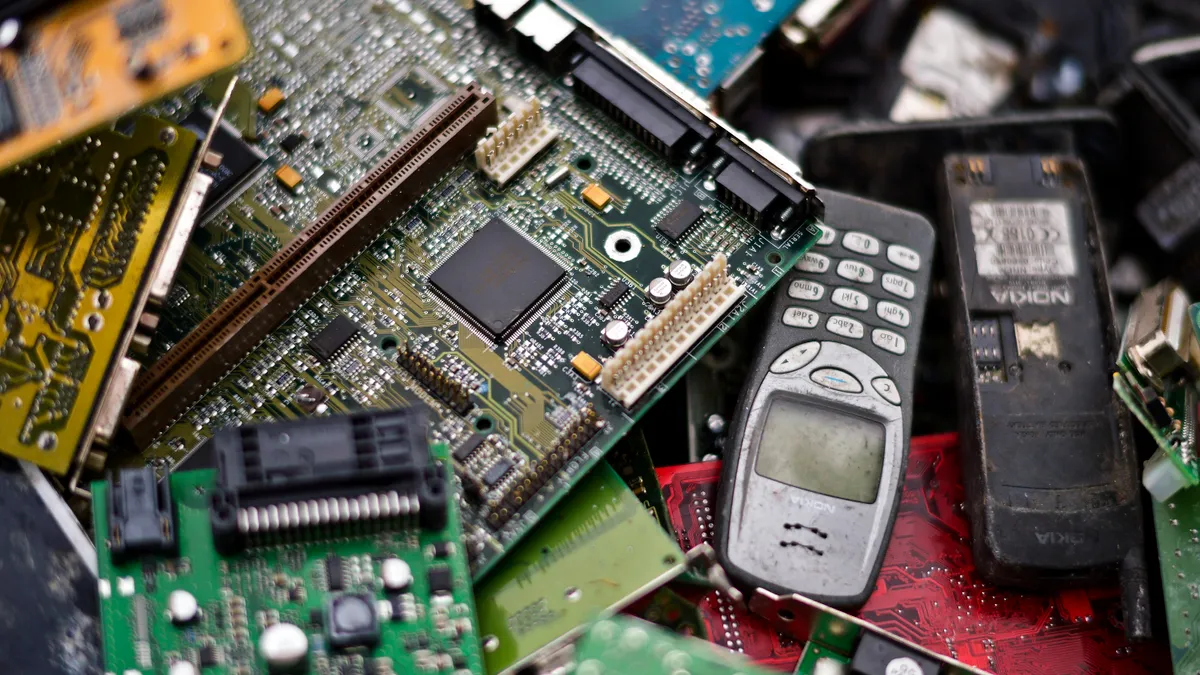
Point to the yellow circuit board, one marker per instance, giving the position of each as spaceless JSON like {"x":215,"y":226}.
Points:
{"x":95,"y":60}
{"x":82,"y":230}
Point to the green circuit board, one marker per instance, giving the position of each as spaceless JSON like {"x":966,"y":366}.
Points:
{"x":239,"y":597}
{"x":357,"y":77}
{"x":1177,"y":526}
{"x":625,"y":645}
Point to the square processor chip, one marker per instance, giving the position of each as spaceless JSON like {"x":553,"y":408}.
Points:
{"x":497,"y":278}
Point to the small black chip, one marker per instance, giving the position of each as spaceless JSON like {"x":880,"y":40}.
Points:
{"x":497,"y":472}
{"x":440,"y":579}
{"x":239,"y":162}
{"x":333,"y":338}
{"x":613,"y":295}
{"x":677,"y":222}
{"x":10,"y":123}
{"x":291,"y":142}
{"x":497,"y":278}
{"x":334,"y":573}
{"x":209,"y":656}
{"x":443,"y":549}
{"x":464,"y":451}
{"x":352,"y":621}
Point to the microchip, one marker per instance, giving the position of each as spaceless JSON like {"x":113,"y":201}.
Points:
{"x":352,"y":621}
{"x":443,"y":549}
{"x":497,"y":278}
{"x":497,"y":472}
{"x":677,"y":222}
{"x":239,"y":162}
{"x":333,"y":338}
{"x":464,"y":451}
{"x":440,"y":579}
{"x":209,"y":656}
{"x":334,"y":573}
{"x":613,"y":295}
{"x":291,"y":142}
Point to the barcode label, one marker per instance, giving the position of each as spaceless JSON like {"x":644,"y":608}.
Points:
{"x":1028,"y":238}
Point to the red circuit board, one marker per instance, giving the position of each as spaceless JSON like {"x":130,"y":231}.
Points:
{"x":928,"y":591}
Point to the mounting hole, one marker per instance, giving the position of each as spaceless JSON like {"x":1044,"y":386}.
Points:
{"x":490,"y":644}
{"x":584,"y":163}
{"x":786,"y":615}
{"x":1064,"y":366}
{"x":622,"y":245}
{"x":774,"y":258}
{"x":388,"y":343}
{"x":93,"y":322}
{"x":103,"y":299}
{"x":572,"y":594}
{"x":484,"y":424}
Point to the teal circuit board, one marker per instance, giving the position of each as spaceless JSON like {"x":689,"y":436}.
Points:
{"x":326,"y":603}
{"x":596,"y":212}
{"x":700,"y":42}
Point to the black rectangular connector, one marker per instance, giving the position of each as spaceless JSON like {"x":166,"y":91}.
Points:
{"x":758,"y":193}
{"x":638,"y":104}
{"x":141,"y":515}
{"x":314,"y":476}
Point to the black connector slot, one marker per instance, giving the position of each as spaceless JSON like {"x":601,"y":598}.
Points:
{"x":658,"y":120}
{"x":760,"y":194}
{"x":322,"y":476}
{"x":141,"y":518}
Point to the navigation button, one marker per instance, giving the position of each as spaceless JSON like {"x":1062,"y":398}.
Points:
{"x":803,"y":289}
{"x":838,"y":380}
{"x":800,"y":317}
{"x":845,"y":326}
{"x":850,"y":299}
{"x":856,"y":271}
{"x":796,"y":358}
{"x":889,"y":341}
{"x":828,"y":234}
{"x":892,"y":313}
{"x":813,"y":262}
{"x":904,"y":257}
{"x":861,"y":243}
{"x":898,"y":285}
{"x":886,"y":390}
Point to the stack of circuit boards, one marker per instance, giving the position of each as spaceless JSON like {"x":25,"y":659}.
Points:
{"x":325,"y":315}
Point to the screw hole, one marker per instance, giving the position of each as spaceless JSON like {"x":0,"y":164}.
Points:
{"x":623,"y":245}
{"x":774,"y":258}
{"x":1064,"y":366}
{"x":584,"y":163}
{"x":388,"y":343}
{"x":483,"y":424}
{"x":786,"y":615}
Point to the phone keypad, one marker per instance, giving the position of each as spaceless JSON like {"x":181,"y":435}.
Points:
{"x":871,"y":307}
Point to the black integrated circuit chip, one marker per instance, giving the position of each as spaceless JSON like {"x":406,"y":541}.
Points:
{"x":334,"y":572}
{"x":497,"y":278}
{"x":440,"y":579}
{"x":613,"y":295}
{"x":464,"y":451}
{"x":291,"y":142}
{"x":497,"y":472}
{"x":333,"y":338}
{"x":240,"y":161}
{"x":677,"y":222}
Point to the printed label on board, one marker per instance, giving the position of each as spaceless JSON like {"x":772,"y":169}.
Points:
{"x":1022,"y":238}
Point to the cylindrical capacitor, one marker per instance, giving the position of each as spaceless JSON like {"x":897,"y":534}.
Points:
{"x":616,"y":333}
{"x":680,"y":273}
{"x":659,"y":291}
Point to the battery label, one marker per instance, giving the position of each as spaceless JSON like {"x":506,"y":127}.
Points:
{"x":1022,"y":238}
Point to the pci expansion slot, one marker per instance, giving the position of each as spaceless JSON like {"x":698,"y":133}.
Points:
{"x":298,"y":270}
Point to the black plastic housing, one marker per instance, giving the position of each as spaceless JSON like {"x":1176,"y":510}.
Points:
{"x":326,"y":462}
{"x":141,"y":515}
{"x":1049,"y":466}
